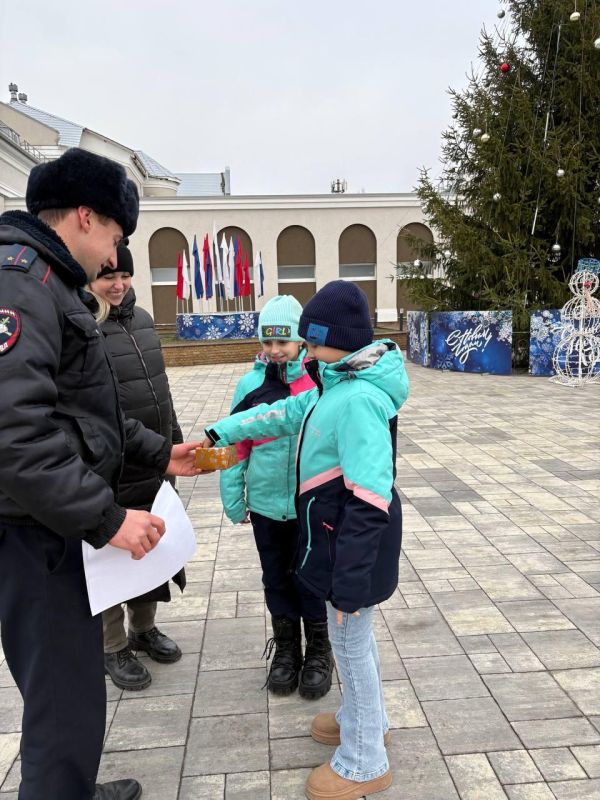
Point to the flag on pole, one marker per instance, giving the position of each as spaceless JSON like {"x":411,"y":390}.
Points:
{"x":197,"y":274}
{"x":187,"y":283}
{"x":179,"y":276}
{"x":259,"y":274}
{"x":239,"y":278}
{"x":236,"y":249}
{"x":231,"y":266}
{"x":245,"y":277}
{"x":226,"y":270}
{"x":208,"y":276}
{"x":218,"y":269}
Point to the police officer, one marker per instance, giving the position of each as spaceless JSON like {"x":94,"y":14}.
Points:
{"x":63,"y":439}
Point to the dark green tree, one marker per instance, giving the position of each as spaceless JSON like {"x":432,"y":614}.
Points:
{"x":521,"y":167}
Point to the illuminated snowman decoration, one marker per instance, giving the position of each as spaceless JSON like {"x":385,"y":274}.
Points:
{"x":577,"y":356}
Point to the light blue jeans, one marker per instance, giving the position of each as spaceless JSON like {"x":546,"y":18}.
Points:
{"x":361,"y":755}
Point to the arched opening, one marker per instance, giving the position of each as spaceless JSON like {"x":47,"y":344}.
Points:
{"x":243,"y":241}
{"x":407,"y":253}
{"x":358,"y":260}
{"x":163,"y":248}
{"x":296,"y":263}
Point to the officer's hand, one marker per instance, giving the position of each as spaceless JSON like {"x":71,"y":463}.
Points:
{"x":139,"y":533}
{"x":182,"y":460}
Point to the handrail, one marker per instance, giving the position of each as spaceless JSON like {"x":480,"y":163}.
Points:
{"x":13,"y":136}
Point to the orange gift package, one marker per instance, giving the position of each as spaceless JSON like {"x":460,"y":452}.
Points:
{"x":216,"y":457}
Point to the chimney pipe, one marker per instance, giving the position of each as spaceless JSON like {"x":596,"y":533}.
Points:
{"x":22,"y":97}
{"x":13,"y":89}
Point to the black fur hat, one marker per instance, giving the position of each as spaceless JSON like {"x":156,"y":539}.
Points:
{"x":124,"y":260}
{"x":80,"y":178}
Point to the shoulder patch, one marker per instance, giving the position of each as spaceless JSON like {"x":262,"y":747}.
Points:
{"x":18,"y":256}
{"x":10,"y":328}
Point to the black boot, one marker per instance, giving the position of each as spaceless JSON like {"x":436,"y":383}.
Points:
{"x":126,"y":671}
{"x":287,"y":661}
{"x":158,"y":646}
{"x":118,"y":790}
{"x":315,"y":680}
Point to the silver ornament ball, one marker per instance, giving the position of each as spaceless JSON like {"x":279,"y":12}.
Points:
{"x":477,"y":132}
{"x":597,"y":43}
{"x":556,"y":248}
{"x":497,"y":197}
{"x":485,"y":137}
{"x":560,"y":173}
{"x":575,"y":16}
{"x":447,"y":253}
{"x":501,"y":14}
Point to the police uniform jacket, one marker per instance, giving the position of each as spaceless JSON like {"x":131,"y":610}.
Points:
{"x":63,"y":436}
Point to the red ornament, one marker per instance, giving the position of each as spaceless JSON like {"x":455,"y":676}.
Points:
{"x":505,"y":67}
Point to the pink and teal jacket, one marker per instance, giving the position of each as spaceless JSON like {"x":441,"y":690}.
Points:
{"x":349,"y":512}
{"x":264,"y":480}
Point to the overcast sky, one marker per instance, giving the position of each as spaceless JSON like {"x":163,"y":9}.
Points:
{"x":288,"y":93}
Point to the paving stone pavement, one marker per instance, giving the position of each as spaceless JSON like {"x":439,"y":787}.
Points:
{"x":490,"y":647}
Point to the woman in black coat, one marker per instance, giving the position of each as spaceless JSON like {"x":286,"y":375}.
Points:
{"x":145,"y":396}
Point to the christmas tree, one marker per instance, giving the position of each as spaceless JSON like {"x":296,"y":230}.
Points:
{"x":518,"y":201}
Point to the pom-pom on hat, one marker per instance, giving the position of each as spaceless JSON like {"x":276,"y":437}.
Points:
{"x":279,"y":319}
{"x":337,"y":316}
{"x":80,"y":178}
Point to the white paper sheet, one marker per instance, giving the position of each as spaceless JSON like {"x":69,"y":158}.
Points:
{"x":113,"y":576}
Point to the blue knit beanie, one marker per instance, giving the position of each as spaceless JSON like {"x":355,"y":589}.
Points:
{"x":337,"y":316}
{"x":279,"y":319}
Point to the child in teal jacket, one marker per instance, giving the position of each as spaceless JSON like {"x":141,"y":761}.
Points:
{"x":349,"y":515}
{"x":261,"y":489}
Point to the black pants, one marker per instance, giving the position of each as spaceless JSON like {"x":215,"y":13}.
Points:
{"x":277,"y":543}
{"x":53,"y":648}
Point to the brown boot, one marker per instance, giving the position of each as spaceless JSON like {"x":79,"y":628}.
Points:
{"x":325,"y":729}
{"x":325,"y":784}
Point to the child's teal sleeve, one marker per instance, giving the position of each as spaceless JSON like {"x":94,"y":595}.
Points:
{"x":283,"y":418}
{"x":232,"y":482}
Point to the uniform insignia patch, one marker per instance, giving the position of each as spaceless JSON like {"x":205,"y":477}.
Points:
{"x":10,"y":328}
{"x":19,"y":257}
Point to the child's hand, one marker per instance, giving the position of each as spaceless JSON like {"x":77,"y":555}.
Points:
{"x":246,"y":520}
{"x":207,"y":443}
{"x":339,"y":616}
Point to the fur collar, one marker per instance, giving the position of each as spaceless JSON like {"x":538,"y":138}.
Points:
{"x":24,"y":228}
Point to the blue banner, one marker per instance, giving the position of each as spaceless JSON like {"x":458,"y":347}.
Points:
{"x":217,"y":326}
{"x":471,"y":341}
{"x":544,"y":335}
{"x":547,"y":330}
{"x":418,"y":337}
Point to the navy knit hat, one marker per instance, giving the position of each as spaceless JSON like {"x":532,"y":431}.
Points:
{"x":337,"y":316}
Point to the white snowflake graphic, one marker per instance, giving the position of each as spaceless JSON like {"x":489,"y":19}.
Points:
{"x":212,"y":332}
{"x":247,"y":323}
{"x":505,"y":330}
{"x":229,"y":320}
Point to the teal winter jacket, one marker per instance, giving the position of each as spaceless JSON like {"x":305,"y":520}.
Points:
{"x":264,"y":479}
{"x":348,"y":509}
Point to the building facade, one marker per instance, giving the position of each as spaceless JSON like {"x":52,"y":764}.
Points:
{"x":304,"y":240}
